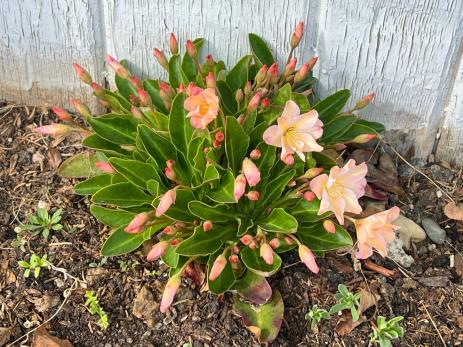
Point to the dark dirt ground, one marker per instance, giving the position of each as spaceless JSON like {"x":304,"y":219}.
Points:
{"x":28,"y":165}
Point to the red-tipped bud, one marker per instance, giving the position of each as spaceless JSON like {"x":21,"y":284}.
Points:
{"x":363,"y":102}
{"x":273,"y":73}
{"x":174,"y":242}
{"x":169,"y":292}
{"x":179,"y":225}
{"x":253,"y":195}
{"x":139,"y":222}
{"x":247,"y":88}
{"x":290,"y":67}
{"x":253,"y":244}
{"x":246,"y":239}
{"x":339,"y":147}
{"x":54,"y":129}
{"x":216,"y":144}
{"x":161,"y":58}
{"x":363,"y":138}
{"x":265,"y":103}
{"x":266,"y":253}
{"x":329,"y":226}
{"x":313,"y":172}
{"x":105,"y":167}
{"x":80,"y":107}
{"x":217,"y":268}
{"x":255,"y":154}
{"x":99,"y":91}
{"x":251,"y":172}
{"x":173,"y":44}
{"x":292,"y":183}
{"x":261,"y":74}
{"x":62,"y":114}
{"x":235,"y":249}
{"x":207,"y":225}
{"x":309,"y":196}
{"x":210,"y":80}
{"x":289,"y":241}
{"x":239,"y":96}
{"x":145,"y":98}
{"x":234,"y":259}
{"x":191,"y":49}
{"x":136,"y":112}
{"x":83,"y":74}
{"x":308,"y":258}
{"x":120,"y":70}
{"x":168,"y":230}
{"x":241,"y":119}
{"x":134,"y":100}
{"x":301,"y":73}
{"x":170,"y":174}
{"x":170,"y":163}
{"x":166,"y":90}
{"x":297,"y":35}
{"x":311,"y":63}
{"x":209,"y":61}
{"x":288,"y":159}
{"x":274,"y":243}
{"x":219,"y":136}
{"x":254,"y":102}
{"x":157,"y":251}
{"x":136,"y":82}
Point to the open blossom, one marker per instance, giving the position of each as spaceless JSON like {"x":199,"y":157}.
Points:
{"x":376,"y":231}
{"x":339,"y":192}
{"x":202,"y":108}
{"x":251,"y":172}
{"x":295,"y":133}
{"x":167,"y":200}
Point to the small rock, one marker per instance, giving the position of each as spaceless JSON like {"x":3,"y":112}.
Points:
{"x":434,"y":281}
{"x":396,"y":253}
{"x":441,"y":261}
{"x":409,"y":231}
{"x":145,"y":306}
{"x":434,"y":231}
{"x":5,"y":335}
{"x":432,"y":247}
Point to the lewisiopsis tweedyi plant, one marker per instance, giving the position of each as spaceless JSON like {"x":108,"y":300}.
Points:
{"x":225,"y":170}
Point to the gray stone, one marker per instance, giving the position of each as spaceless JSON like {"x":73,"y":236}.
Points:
{"x":434,"y":231}
{"x":396,"y":253}
{"x":409,"y":231}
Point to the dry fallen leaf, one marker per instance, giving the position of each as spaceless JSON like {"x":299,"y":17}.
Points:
{"x":43,"y":339}
{"x":454,"y":211}
{"x":367,"y":300}
{"x":346,"y":325}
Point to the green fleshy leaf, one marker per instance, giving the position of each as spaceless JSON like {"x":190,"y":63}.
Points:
{"x":329,"y":107}
{"x":114,"y":128}
{"x":236,"y":144}
{"x":307,"y":211}
{"x":98,"y":143}
{"x":111,"y":217}
{"x":135,"y":171}
{"x":81,"y":165}
{"x":255,"y":136}
{"x":282,"y":96}
{"x":253,"y":288}
{"x":324,"y":160}
{"x":336,"y":128}
{"x":188,"y":65}
{"x":157,"y":146}
{"x":275,"y":188}
{"x":378,"y":127}
{"x":252,"y":260}
{"x":93,"y":184}
{"x":176,"y":75}
{"x":217,"y":213}
{"x":301,"y":101}
{"x":355,"y":130}
{"x":121,"y":194}
{"x":227,"y":97}
{"x":279,"y":221}
{"x":316,"y":238}
{"x":261,"y":52}
{"x":204,"y":243}
{"x":238,"y":75}
{"x":226,"y":278}
{"x":170,"y":257}
{"x":244,"y":224}
{"x":180,"y":129}
{"x":266,"y":160}
{"x":152,"y":87}
{"x":124,"y":86}
{"x":153,"y":187}
{"x":224,"y":193}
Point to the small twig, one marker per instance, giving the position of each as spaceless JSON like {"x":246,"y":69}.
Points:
{"x":435,"y":326}
{"x":378,"y":268}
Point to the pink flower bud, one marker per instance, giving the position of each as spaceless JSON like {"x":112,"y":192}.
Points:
{"x":251,"y":172}
{"x":288,"y":159}
{"x":254,"y":102}
{"x":239,"y":187}
{"x":297,"y":35}
{"x":136,"y":112}
{"x":363,"y":138}
{"x":246,"y":239}
{"x":136,"y":82}
{"x":313,"y":172}
{"x":266,"y":253}
{"x":339,"y":147}
{"x":62,"y":114}
{"x":174,"y":242}
{"x":261,"y":74}
{"x":157,"y":251}
{"x":235,"y":249}
{"x":209,"y":61}
{"x":161,"y":58}
{"x":329,"y":226}
{"x":121,"y":71}
{"x":169,"y":292}
{"x":219,"y":136}
{"x":253,"y":195}
{"x":168,"y":230}
{"x":292,"y":183}
{"x":83,"y":74}
{"x":247,"y":88}
{"x":139,"y":222}
{"x":80,"y":108}
{"x":265,"y":103}
{"x":253,"y":244}
{"x":240,"y":119}
{"x":170,"y":163}
{"x":216,"y":144}
{"x":274,"y":243}
{"x":289,"y":241}
{"x":309,"y":196}
{"x":173,"y":44}
{"x":180,"y":225}
{"x":312,"y":63}
{"x":181,"y":88}
{"x":54,"y":129}
{"x":134,"y":100}
{"x":218,"y":266}
{"x":234,"y":259}
{"x":308,"y":258}
{"x":301,"y":73}
{"x":145,"y":98}
{"x":99,"y":91}
{"x":210,"y":80}
{"x":273,"y":73}
{"x":255,"y":154}
{"x":239,"y":96}
{"x":191,"y":49}
{"x":207,"y":225}
{"x":167,"y":200}
{"x":363,"y":102}
{"x":170,"y":174}
{"x":105,"y":167}
{"x":290,"y":67}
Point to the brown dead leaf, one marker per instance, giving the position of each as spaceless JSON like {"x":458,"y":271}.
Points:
{"x":346,"y":325}
{"x":454,"y":211}
{"x":367,"y":300}
{"x":43,"y":339}
{"x":54,"y":158}
{"x":460,"y":322}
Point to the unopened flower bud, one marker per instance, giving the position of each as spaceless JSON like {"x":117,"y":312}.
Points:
{"x":209,"y":61}
{"x":167,"y":200}
{"x":251,"y":172}
{"x":297,"y":35}
{"x":273,"y":73}
{"x":136,"y":112}
{"x":168,"y":230}
{"x":99,"y":91}
{"x":136,"y":82}
{"x":311,"y":63}
{"x":173,"y":44}
{"x":301,"y":73}
{"x":166,"y":91}
{"x":339,"y":147}
{"x":169,"y":292}
{"x":210,"y":80}
{"x":216,"y":144}
{"x":120,"y":70}
{"x":363,"y":102}
{"x":139,"y":222}
{"x":235,"y":249}
{"x":179,"y":225}
{"x":104,"y":103}
{"x":54,"y":129}
{"x":80,"y":108}
{"x":292,"y":183}
{"x":265,"y":103}
{"x":247,"y":88}
{"x":217,"y":267}
{"x":241,"y":119}
{"x":289,"y":241}
{"x":290,"y":67}
{"x":288,"y":159}
{"x":261,"y":74}
{"x":157,"y":251}
{"x":83,"y":74}
{"x":309,"y":196}
{"x":170,"y":174}
{"x":161,"y":58}
{"x":233,"y":259}
{"x":253,"y":244}
{"x":253,"y":195}
{"x":307,"y":257}
{"x":311,"y":173}
{"x":363,"y":138}
{"x":181,"y":88}
{"x":274,"y":243}
{"x":105,"y":167}
{"x":191,"y":49}
{"x":246,"y":239}
{"x":145,"y":98}
{"x":266,"y":253}
{"x":239,"y":96}
{"x":219,"y":136}
{"x":329,"y":226}
{"x":134,"y":100}
{"x":207,"y":225}
{"x":62,"y":114}
{"x":174,"y":242}
{"x":239,"y":186}
{"x":255,"y":154}
{"x":170,"y":163}
{"x":254,"y":102}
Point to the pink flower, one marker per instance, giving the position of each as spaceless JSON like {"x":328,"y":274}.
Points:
{"x":105,"y":167}
{"x":376,"y":231}
{"x":266,"y":252}
{"x":138,"y":222}
{"x":308,"y":258}
{"x":251,"y":172}
{"x":239,"y":187}
{"x":157,"y":251}
{"x":169,"y":292}
{"x":339,"y":192}
{"x":167,"y":200}
{"x":295,"y":132}
{"x":54,"y":129}
{"x":202,"y":108}
{"x":218,"y":266}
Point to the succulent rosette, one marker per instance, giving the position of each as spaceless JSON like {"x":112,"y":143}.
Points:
{"x":222,"y":171}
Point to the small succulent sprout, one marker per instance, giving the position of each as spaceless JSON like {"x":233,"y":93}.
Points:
{"x":34,"y":265}
{"x":346,"y":300}
{"x":386,"y":330}
{"x":315,"y":316}
{"x":42,"y":222}
{"x":93,"y":306}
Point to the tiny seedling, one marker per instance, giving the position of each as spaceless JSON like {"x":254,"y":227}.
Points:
{"x":93,"y":306}
{"x":385,"y":331}
{"x":103,"y":261}
{"x":124,"y":265}
{"x":34,"y":265}
{"x":20,"y":241}
{"x":42,"y":222}
{"x":315,"y":315}
{"x":346,"y":301}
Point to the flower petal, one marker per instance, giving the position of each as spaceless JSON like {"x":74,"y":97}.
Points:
{"x":272,"y":136}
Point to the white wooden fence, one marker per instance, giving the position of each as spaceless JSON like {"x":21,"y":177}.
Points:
{"x":407,"y":51}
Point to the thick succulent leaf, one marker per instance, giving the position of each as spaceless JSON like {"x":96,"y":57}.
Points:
{"x":316,"y":238}
{"x":217,"y":213}
{"x":135,"y":171}
{"x":329,"y":107}
{"x":244,"y":224}
{"x":271,"y":114}
{"x":124,"y":86}
{"x":211,"y":174}
{"x":113,"y":128}
{"x":355,"y":130}
{"x":250,"y":122}
{"x":275,"y":188}
{"x":157,"y":146}
{"x":93,"y":184}
{"x":152,"y":87}
{"x":188,"y":65}
{"x":255,"y":136}
{"x":238,"y":75}
{"x":81,"y":165}
{"x":378,"y":127}
{"x":170,"y":257}
{"x":98,"y":143}
{"x":179,"y":210}
{"x":263,"y":320}
{"x":282,"y":96}
{"x":196,"y":154}
{"x":123,"y":194}
{"x":227,"y":97}
{"x":253,"y":261}
{"x":113,"y":218}
{"x":305,"y":84}
{"x":205,"y":243}
{"x":336,"y":128}
{"x":324,"y":160}
{"x":180,"y":129}
{"x":236,"y":144}
{"x":307,"y":211}
{"x":224,"y":281}
{"x":266,"y":160}
{"x":224,"y":193}
{"x":279,"y":221}
{"x":260,"y":51}
{"x":253,"y":288}
{"x":301,"y":101}
{"x":176,"y":75}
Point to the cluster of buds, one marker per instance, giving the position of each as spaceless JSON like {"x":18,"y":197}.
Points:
{"x":218,"y":139}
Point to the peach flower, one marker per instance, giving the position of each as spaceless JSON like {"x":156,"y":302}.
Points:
{"x":202,"y":108}
{"x":295,"y":132}
{"x":376,"y":231}
{"x":339,"y":192}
